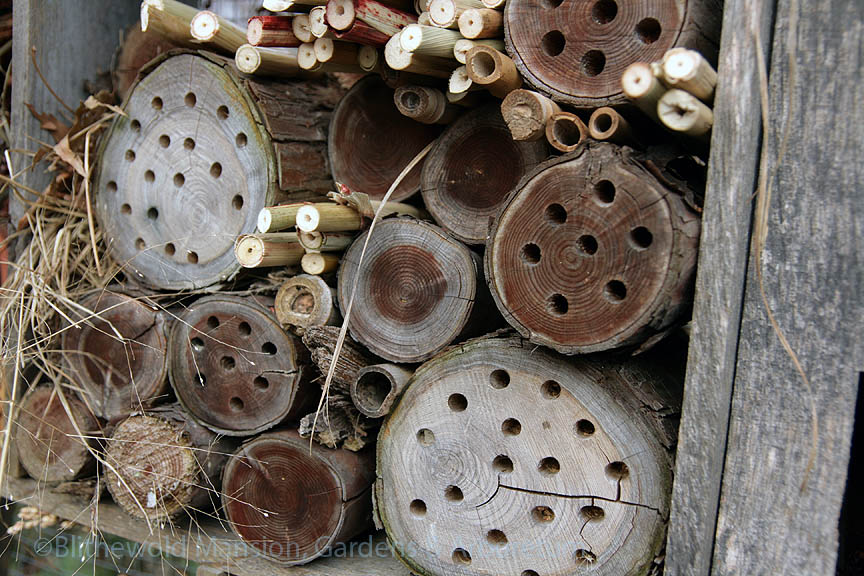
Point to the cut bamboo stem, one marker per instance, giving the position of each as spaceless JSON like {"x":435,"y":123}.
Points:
{"x":445,"y":13}
{"x":399,"y":59}
{"x":467,"y":99}
{"x":367,"y":58}
{"x":318,"y":22}
{"x":459,"y":82}
{"x":271,"y":31}
{"x":331,"y":217}
{"x":496,"y":4}
{"x":527,"y":113}
{"x":325,"y":242}
{"x":286,"y":5}
{"x":214,"y":30}
{"x":689,"y":71}
{"x":377,"y":388}
{"x":362,"y":33}
{"x":305,"y":301}
{"x":425,"y":104}
{"x":641,"y":86}
{"x":168,"y":18}
{"x":275,"y":218}
{"x":267,"y":250}
{"x":566,"y":131}
{"x":341,"y":15}
{"x":477,"y":23}
{"x":301,"y":27}
{"x":429,"y":40}
{"x":306,"y":58}
{"x":328,"y":51}
{"x":492,"y":69}
{"x":280,"y":62}
{"x":424,"y":19}
{"x":318,"y":263}
{"x":682,"y":112}
{"x":607,"y":124}
{"x":463,"y":46}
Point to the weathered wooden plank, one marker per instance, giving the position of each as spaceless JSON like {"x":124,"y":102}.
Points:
{"x":719,"y":289}
{"x":783,"y":486}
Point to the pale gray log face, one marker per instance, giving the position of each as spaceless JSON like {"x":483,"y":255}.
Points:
{"x":183,"y":175}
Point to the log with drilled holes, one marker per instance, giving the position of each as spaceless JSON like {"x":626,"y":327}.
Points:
{"x":53,"y":442}
{"x":534,"y":464}
{"x":161,"y":464}
{"x":291,"y":500}
{"x":199,"y":153}
{"x":593,"y":252}
{"x":471,"y":169}
{"x":117,"y":353}
{"x":418,"y":290}
{"x":575,"y":52}
{"x":235,"y":370}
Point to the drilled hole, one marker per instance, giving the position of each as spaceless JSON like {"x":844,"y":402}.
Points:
{"x":604,"y":192}
{"x":499,"y":379}
{"x":190,"y":99}
{"x":197,"y":344}
{"x":530,"y":253}
{"x":553,"y":43}
{"x":549,"y":466}
{"x":156,"y":103}
{"x":149,"y":176}
{"x":236,"y":404}
{"x":483,"y":64}
{"x":557,"y":304}
{"x":126,"y":209}
{"x":454,"y":494}
{"x":615,"y":291}
{"x":244,"y":328}
{"x":457,"y":402}
{"x":617,"y":470}
{"x":511,"y":427}
{"x":556,"y":214}
{"x":461,"y":556}
{"x":261,"y":383}
{"x":587,"y":245}
{"x":179,"y":180}
{"x":227,"y":363}
{"x":189,"y":144}
{"x":111,"y":186}
{"x":130,"y":155}
{"x":425,"y":437}
{"x":164,"y":140}
{"x":237,"y":202}
{"x":584,"y":428}
{"x":170,"y":249}
{"x":543,"y":514}
{"x":192,"y":257}
{"x":502,"y":464}
{"x":585,"y":557}
{"x":268,"y":348}
{"x":222,"y":112}
{"x":216,"y":170}
{"x":135,"y":125}
{"x":212,"y":322}
{"x":648,"y":31}
{"x":641,"y":238}
{"x":604,"y":11}
{"x":566,"y":132}
{"x":593,"y":513}
{"x":152,"y":213}
{"x":593,"y":62}
{"x":241,"y":140}
{"x":530,"y":573}
{"x":496,"y":538}
{"x":551,"y":389}
{"x":418,"y":508}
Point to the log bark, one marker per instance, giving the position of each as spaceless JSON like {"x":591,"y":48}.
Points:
{"x":593,"y":252}
{"x":418,"y":290}
{"x":118,"y":356}
{"x":370,"y":142}
{"x":236,"y":146}
{"x":292,"y":503}
{"x":500,"y":440}
{"x":49,"y":445}
{"x":602,"y":39}
{"x":235,"y":370}
{"x":163,"y":465}
{"x":470,"y":171}
{"x":305,"y":301}
{"x":378,"y":387}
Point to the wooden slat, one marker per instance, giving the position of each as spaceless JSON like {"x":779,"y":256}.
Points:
{"x":781,"y":496}
{"x":719,"y":289}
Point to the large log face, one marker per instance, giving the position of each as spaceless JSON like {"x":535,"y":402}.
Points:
{"x":531,"y":462}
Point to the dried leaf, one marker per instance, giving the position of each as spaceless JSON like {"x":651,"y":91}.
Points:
{"x":49,"y":123}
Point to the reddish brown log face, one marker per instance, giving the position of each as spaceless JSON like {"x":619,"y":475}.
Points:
{"x":234,"y":368}
{"x":371,"y":142}
{"x":473,"y":167}
{"x":592,"y":252}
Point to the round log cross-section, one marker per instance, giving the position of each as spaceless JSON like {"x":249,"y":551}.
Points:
{"x":51,"y":447}
{"x":292,"y":501}
{"x":305,"y":301}
{"x":371,"y":142}
{"x":471,"y":170}
{"x":416,"y":292}
{"x":234,"y":369}
{"x":535,"y":464}
{"x":575,"y":51}
{"x":119,"y":374}
{"x":592,"y":252}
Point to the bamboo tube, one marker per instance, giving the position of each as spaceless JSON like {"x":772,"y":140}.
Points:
{"x":565,"y":131}
{"x":341,"y":15}
{"x":424,"y":19}
{"x":682,"y":112}
{"x":399,"y":59}
{"x":459,"y":82}
{"x":325,"y":242}
{"x":362,"y":33}
{"x":445,"y":13}
{"x":463,"y":46}
{"x":492,"y":69}
{"x":306,"y":58}
{"x":318,"y":22}
{"x":377,"y":388}
{"x":496,"y":4}
{"x":467,"y":99}
{"x":318,"y":263}
{"x":607,"y":124}
{"x":268,"y":250}
{"x":301,"y":27}
{"x":168,"y":18}
{"x":304,"y":301}
{"x":527,"y":113}
{"x":275,"y":218}
{"x":211,"y":28}
{"x":429,"y":40}
{"x":689,"y":71}
{"x":271,"y":31}
{"x":425,"y":104}
{"x":331,"y":217}
{"x":333,"y":52}
{"x":285,"y":5}
{"x":267,"y":61}
{"x":641,"y":86}
{"x":476,"y":23}
{"x":367,"y":58}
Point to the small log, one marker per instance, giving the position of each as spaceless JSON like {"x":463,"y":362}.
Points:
{"x":463,"y":46}
{"x":378,"y":387}
{"x":368,"y":58}
{"x":281,"y":62}
{"x":341,"y":15}
{"x":418,"y":291}
{"x":328,"y":51}
{"x":609,"y":265}
{"x":268,"y":250}
{"x":318,"y":22}
{"x":118,"y":356}
{"x":470,"y":171}
{"x":272,"y":31}
{"x":370,"y":142}
{"x":162,"y":465}
{"x":608,"y":124}
{"x":460,"y":82}
{"x":276,"y":218}
{"x":641,"y":86}
{"x":428,"y":40}
{"x":684,"y":113}
{"x":527,"y":113}
{"x":400,"y":59}
{"x":168,"y":18}
{"x":301,"y":27}
{"x":316,"y":263}
{"x":691,"y":72}
{"x":49,"y":438}
{"x":292,"y":503}
{"x":492,"y":69}
{"x":445,"y":13}
{"x":325,"y":242}
{"x":565,"y":131}
{"x":365,"y":35}
{"x":477,"y":23}
{"x":215,"y":31}
{"x":305,"y":301}
{"x":332,"y":217}
{"x":425,"y":104}
{"x":580,"y":451}
{"x":234,"y":369}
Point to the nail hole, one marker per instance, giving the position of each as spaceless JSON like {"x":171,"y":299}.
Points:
{"x":454,"y":494}
{"x":511,"y":427}
{"x":648,"y":31}
{"x":604,"y":11}
{"x":111,"y":186}
{"x":192,"y":257}
{"x":261,"y":383}
{"x":556,"y":214}
{"x":212,"y":322}
{"x":499,"y":379}
{"x":461,"y":556}
{"x":425,"y":437}
{"x":593,"y":62}
{"x":268,"y":348}
{"x":530,"y":253}
{"x":543,"y":514}
{"x":222,"y":112}
{"x":241,"y":140}
{"x":164,"y":140}
{"x":557,"y":304}
{"x":237,"y":202}
{"x":549,"y":466}
{"x":617,"y":470}
{"x":553,"y":43}
{"x":170,"y":249}
{"x":197,"y":344}
{"x":135,"y":125}
{"x":604,"y":191}
{"x":227,"y":363}
{"x":156,"y":103}
{"x":179,"y":180}
{"x":189,"y":144}
{"x":502,"y":464}
{"x":584,"y":428}
{"x":130,"y":155}
{"x":585,"y":558}
{"x":418,"y":508}
{"x":641,"y":238}
{"x":190,"y":99}
{"x":149,"y":176}
{"x":615,"y":291}
{"x":551,"y":389}
{"x":126,"y":209}
{"x":152,"y":213}
{"x":587,"y":245}
{"x":244,"y":328}
{"x":496,"y":538}
{"x":594,"y":513}
{"x":457,"y":402}
{"x":236,"y":404}
{"x":216,"y":170}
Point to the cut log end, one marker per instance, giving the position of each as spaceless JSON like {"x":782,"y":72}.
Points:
{"x":305,"y":301}
{"x":377,"y":388}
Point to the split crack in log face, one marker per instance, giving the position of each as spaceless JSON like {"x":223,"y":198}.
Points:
{"x":544,"y":502}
